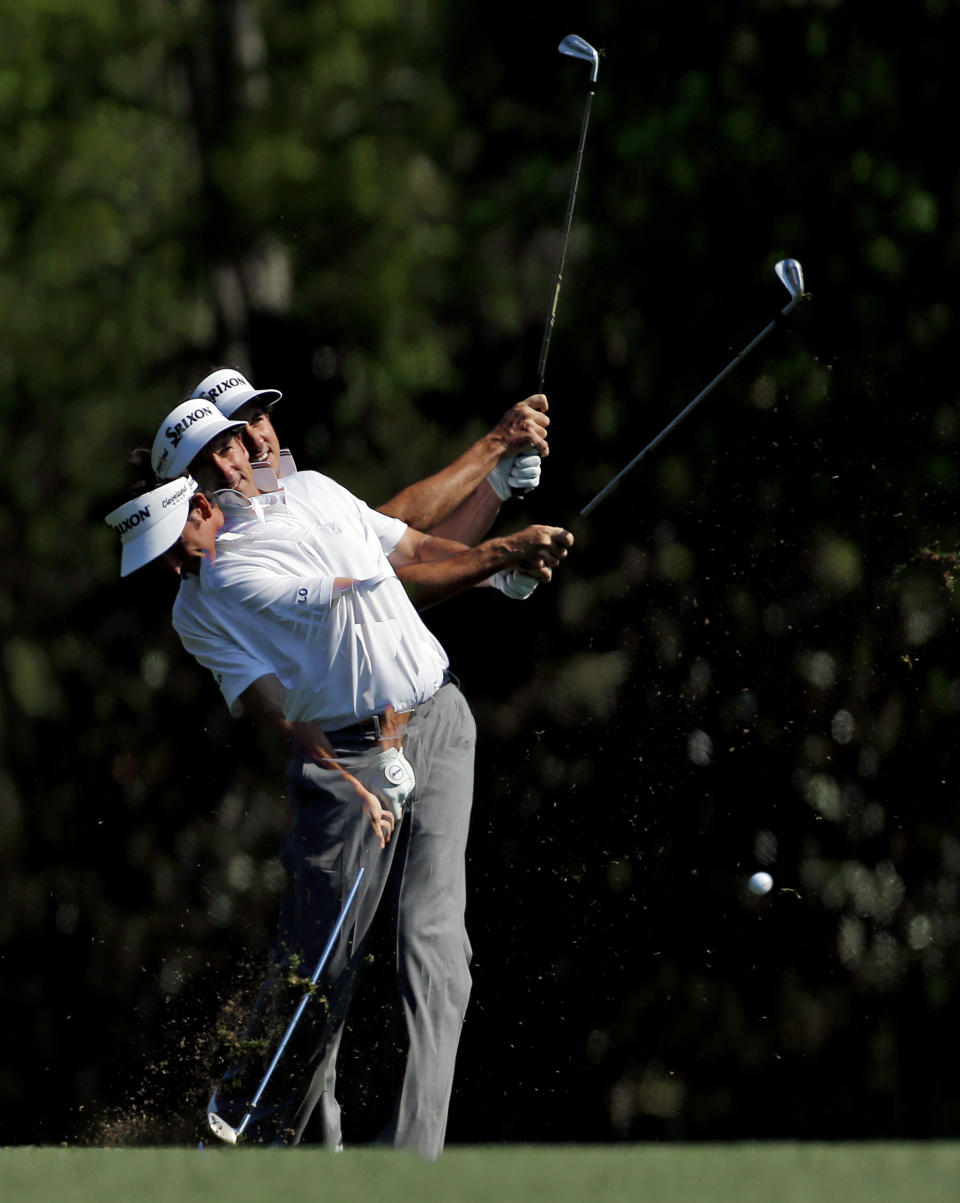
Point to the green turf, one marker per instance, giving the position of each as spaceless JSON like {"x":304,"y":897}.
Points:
{"x":771,"y":1173}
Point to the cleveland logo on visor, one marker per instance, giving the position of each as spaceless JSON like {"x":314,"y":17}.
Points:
{"x":188,"y":486}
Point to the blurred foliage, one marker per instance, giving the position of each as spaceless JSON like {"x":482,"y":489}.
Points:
{"x":751,"y":658}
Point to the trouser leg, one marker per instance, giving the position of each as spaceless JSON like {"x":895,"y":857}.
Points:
{"x":318,"y":1104}
{"x":433,"y":951}
{"x":330,"y":840}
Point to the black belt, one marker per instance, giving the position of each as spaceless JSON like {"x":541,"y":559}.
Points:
{"x":373,"y":727}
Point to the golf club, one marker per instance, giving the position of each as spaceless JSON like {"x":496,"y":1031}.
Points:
{"x":790,"y":274}
{"x":217,"y":1123}
{"x":574,"y":47}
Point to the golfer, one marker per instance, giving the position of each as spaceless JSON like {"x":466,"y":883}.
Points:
{"x":301,"y":585}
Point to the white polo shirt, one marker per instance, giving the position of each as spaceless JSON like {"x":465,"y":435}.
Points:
{"x":343,"y":656}
{"x":217,"y":634}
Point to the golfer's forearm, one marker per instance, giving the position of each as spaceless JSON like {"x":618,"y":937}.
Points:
{"x":433,"y":580}
{"x":264,"y":701}
{"x":428,"y":502}
{"x":471,"y":520}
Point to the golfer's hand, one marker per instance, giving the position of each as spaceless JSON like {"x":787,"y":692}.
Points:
{"x":380,"y":818}
{"x":514,"y":583}
{"x":523,"y":428}
{"x":314,"y":744}
{"x":396,"y":781}
{"x":538,"y":549}
{"x":516,"y":475}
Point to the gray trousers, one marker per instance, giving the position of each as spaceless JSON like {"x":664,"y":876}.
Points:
{"x":423,"y":875}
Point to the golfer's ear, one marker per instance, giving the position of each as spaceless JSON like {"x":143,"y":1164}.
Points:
{"x":203,"y":505}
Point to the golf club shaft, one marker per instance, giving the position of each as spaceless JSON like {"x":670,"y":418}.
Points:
{"x":608,"y":488}
{"x":568,"y":221}
{"x":575,"y":47}
{"x":315,"y":977}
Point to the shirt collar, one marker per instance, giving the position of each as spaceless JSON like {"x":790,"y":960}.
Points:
{"x":240,"y":510}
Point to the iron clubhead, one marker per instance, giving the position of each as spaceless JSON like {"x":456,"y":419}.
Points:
{"x":577,"y":48}
{"x":219,"y":1126}
{"x":791,"y":276}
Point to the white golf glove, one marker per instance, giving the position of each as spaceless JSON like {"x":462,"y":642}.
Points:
{"x":398,"y":779}
{"x":514,"y":583}
{"x":519,"y":473}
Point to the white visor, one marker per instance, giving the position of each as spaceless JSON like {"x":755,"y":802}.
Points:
{"x":228,"y":390}
{"x":184,"y":433}
{"x":151,"y":523}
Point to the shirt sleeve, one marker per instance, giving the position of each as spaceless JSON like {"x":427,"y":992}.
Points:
{"x":248,"y":583}
{"x":233,"y":666}
{"x":388,"y":530}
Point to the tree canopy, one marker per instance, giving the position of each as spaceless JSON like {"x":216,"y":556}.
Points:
{"x":750,"y":659}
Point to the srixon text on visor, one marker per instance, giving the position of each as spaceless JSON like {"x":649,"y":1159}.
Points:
{"x":224,"y":386}
{"x":176,"y":433}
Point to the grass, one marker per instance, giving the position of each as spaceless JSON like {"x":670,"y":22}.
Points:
{"x":771,"y":1173}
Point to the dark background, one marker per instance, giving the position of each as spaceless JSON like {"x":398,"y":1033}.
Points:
{"x":749,"y":661}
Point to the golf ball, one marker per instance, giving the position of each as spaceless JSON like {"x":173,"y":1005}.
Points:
{"x":760,"y":883}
